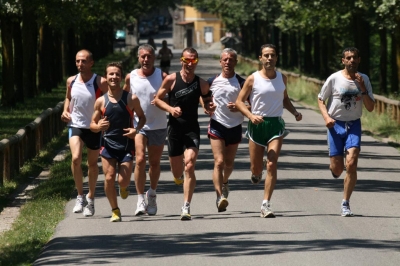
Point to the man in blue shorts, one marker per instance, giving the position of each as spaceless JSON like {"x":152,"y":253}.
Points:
{"x":184,"y":90}
{"x":267,"y":93}
{"x":113,"y":114}
{"x":82,"y":91}
{"x":225,"y":128}
{"x":347,"y":91}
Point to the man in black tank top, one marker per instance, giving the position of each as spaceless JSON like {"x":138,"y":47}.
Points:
{"x":184,"y":89}
{"x":112,"y":115}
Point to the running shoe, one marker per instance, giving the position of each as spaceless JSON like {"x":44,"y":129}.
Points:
{"x":256,"y":179}
{"x":345,"y":210}
{"x":179,"y":181}
{"x":79,"y":204}
{"x":225,"y":189}
{"x":89,"y":208}
{"x":141,"y":208}
{"x":116,"y":216}
{"x":151,"y":204}
{"x":222,"y":203}
{"x":185,"y":214}
{"x":266,"y":211}
{"x":124,"y":192}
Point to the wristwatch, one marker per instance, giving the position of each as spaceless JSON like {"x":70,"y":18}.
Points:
{"x":364,"y":93}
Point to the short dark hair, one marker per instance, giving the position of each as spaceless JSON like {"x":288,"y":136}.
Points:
{"x":190,"y":50}
{"x":114,"y":64}
{"x":351,"y":49}
{"x":268,"y":45}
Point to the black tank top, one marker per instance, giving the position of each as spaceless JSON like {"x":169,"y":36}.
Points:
{"x":186,"y":96}
{"x":120,"y":116}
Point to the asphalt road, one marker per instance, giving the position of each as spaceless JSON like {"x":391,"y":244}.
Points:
{"x":307,"y":230}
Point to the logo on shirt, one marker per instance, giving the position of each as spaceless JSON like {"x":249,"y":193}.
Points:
{"x":186,"y":91}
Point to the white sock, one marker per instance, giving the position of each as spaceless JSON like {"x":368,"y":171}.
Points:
{"x":186,"y":204}
{"x":140,"y":198}
{"x":266,"y":202}
{"x":152,"y":191}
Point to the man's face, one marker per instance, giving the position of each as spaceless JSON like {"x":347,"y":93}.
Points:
{"x":268,"y":58}
{"x":351,"y":61}
{"x":146,"y":59}
{"x":83,"y":62}
{"x":228,"y":62}
{"x":113,"y":76}
{"x":189,"y":62}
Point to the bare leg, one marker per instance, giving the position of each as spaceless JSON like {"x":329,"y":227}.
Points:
{"x":154,"y":153}
{"x":109,"y":169}
{"x":190,"y":177}
{"x":274,"y":149}
{"x":351,"y":172}
{"x":76,"y":146}
{"x":140,"y":167}
{"x":93,"y":172}
{"x":176,"y":165}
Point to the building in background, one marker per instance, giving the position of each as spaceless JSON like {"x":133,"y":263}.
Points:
{"x":195,"y":28}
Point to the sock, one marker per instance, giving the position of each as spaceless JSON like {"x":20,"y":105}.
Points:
{"x":345,"y":202}
{"x":227,"y":182}
{"x":151,"y":191}
{"x":140,"y":198}
{"x":115,"y":209}
{"x":266,"y":202}
{"x":186,"y":204}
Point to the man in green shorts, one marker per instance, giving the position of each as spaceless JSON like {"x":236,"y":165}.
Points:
{"x":267,"y":93}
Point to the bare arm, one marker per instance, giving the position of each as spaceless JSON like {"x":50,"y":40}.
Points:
{"x":288,"y":104}
{"x":66,"y":116}
{"x":329,"y":121}
{"x":127,"y":85}
{"x":166,"y":87}
{"x":134,"y":105}
{"x":242,"y":98}
{"x":368,"y":102}
{"x":102,"y":82}
{"x":99,"y":124}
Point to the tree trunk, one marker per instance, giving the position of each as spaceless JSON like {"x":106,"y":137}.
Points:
{"x":29,"y":42}
{"x":317,"y":48}
{"x":383,"y":62}
{"x":18,"y":61}
{"x":8,"y":92}
{"x":46,"y":49}
{"x":361,"y":39}
{"x":308,"y":62}
{"x":394,"y":62}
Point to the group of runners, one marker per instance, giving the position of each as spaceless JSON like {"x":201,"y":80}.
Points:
{"x":125,"y":124}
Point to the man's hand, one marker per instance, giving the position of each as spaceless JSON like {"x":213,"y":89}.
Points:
{"x":176,"y":111}
{"x":103,"y":124}
{"x":298,"y":116}
{"x":66,"y":117}
{"x":232,"y":107}
{"x":130,"y":133}
{"x":360,"y":81}
{"x":256,"y":119}
{"x":329,"y":122}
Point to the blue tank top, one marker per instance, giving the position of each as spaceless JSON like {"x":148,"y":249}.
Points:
{"x":120,"y":116}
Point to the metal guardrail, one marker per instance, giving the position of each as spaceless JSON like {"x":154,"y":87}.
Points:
{"x":382,"y":104}
{"x":23,"y":146}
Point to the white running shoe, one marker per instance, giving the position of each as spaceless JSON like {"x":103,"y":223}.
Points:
{"x":266,"y":211}
{"x":79,"y":204}
{"x":225,"y":190}
{"x":88,"y":210}
{"x":222,"y":203}
{"x":141,"y":208}
{"x":185,"y":213}
{"x":151,"y":204}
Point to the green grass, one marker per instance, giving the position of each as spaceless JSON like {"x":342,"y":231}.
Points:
{"x":40,"y":215}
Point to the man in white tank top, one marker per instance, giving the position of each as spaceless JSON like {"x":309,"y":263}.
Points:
{"x":144,"y":83}
{"x":82,"y":91}
{"x":266,"y":90}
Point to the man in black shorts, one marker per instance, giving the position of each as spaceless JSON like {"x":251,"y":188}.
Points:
{"x":82,"y":91}
{"x":184,"y":89}
{"x":225,"y":129}
{"x":113,"y":113}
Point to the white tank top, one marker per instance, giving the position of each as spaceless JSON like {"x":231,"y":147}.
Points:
{"x":83,"y":97}
{"x":224,"y":91}
{"x":266,"y":98}
{"x":145,"y":88}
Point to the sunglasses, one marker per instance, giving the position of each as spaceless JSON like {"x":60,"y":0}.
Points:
{"x":187,"y":60}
